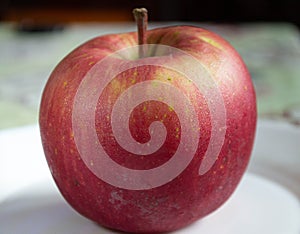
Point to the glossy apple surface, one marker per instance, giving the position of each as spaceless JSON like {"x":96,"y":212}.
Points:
{"x":167,"y":202}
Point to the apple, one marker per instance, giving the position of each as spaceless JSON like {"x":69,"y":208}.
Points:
{"x":148,"y":132}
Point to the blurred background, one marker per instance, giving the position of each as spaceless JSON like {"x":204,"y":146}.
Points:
{"x":35,"y":35}
{"x":59,"y":11}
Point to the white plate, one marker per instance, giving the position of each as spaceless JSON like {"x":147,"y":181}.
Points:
{"x":30,"y":203}
{"x":258,"y":206}
{"x":276,"y":153}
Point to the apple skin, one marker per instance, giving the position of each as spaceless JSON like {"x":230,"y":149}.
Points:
{"x":189,"y":196}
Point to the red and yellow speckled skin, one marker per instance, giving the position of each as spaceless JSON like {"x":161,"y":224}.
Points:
{"x":189,"y":196}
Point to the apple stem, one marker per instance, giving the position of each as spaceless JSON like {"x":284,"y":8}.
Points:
{"x":141,"y":19}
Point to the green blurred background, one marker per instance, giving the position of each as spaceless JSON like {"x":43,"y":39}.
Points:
{"x":36,"y":35}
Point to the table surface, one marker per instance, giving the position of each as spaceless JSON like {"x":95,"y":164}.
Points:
{"x":271,"y":52}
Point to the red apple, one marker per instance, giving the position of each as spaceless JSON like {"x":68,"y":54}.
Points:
{"x":149,"y":138}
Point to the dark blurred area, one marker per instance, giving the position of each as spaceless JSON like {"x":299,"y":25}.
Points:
{"x":229,"y":11}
